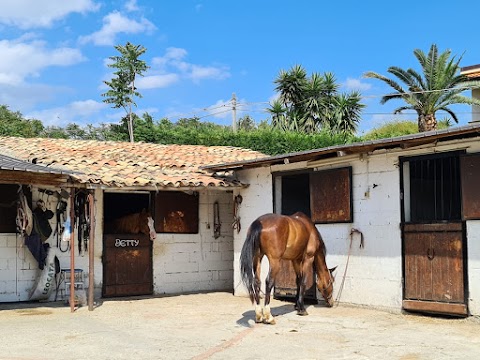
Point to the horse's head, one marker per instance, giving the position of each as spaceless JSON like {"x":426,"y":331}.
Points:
{"x":325,"y":286}
{"x":147,"y":225}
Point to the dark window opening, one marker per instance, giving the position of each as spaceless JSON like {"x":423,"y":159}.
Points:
{"x":296,"y":194}
{"x":8,"y":206}
{"x":117,"y":205}
{"x":435,"y":189}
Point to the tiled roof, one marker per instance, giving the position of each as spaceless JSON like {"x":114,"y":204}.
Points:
{"x":123,"y":164}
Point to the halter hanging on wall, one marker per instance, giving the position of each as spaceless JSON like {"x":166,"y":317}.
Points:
{"x":216,"y":220}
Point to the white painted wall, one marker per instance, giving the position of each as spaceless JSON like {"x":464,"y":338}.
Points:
{"x":181,"y":262}
{"x":197,"y":262}
{"x":257,"y":200}
{"x":475,"y":108}
{"x":19,"y":269}
{"x":374,"y":273}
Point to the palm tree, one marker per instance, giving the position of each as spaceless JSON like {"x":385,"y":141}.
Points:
{"x":291,"y":84}
{"x":439,"y":86}
{"x":309,"y":104}
{"x":277,"y":111}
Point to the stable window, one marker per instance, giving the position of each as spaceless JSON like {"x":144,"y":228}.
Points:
{"x":325,"y":196}
{"x":8,"y":208}
{"x":176,"y":212}
{"x":432,"y":188}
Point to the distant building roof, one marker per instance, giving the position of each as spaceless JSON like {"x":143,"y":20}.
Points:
{"x":472,"y":72}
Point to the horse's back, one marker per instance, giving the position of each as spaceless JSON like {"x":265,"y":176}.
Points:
{"x":283,"y":236}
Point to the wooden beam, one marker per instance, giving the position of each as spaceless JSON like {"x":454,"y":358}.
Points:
{"x":435,"y":307}
{"x":32,"y":178}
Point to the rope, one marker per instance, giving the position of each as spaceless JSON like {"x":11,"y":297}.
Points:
{"x":353,"y":231}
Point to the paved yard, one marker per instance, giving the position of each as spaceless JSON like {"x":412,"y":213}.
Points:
{"x":220,"y":326}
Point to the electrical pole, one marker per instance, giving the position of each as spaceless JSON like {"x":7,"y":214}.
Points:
{"x":234,"y":112}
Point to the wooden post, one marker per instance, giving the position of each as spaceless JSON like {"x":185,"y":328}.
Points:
{"x":91,"y":257}
{"x":72,"y":250}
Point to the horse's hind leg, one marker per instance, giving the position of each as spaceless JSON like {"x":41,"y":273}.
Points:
{"x":270,"y":283}
{"x":257,"y":283}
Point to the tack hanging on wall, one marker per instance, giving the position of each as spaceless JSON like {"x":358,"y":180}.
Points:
{"x":216,"y":220}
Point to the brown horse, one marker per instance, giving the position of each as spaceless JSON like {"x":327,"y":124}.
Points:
{"x":141,"y":222}
{"x":293,"y":238}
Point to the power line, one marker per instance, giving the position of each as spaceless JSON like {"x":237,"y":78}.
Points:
{"x":247,"y":106}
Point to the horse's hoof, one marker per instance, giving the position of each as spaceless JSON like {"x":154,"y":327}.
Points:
{"x":302,"y":312}
{"x":270,"y":321}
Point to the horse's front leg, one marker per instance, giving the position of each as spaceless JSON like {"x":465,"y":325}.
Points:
{"x":269,"y":284}
{"x":301,"y":280}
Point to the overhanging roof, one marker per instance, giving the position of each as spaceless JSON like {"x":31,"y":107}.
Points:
{"x":400,"y":142}
{"x":10,"y":163}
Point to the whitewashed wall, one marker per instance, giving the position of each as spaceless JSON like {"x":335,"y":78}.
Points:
{"x":181,"y":262}
{"x":257,"y":200}
{"x":197,"y":262}
{"x":19,"y":270}
{"x":374,"y":273}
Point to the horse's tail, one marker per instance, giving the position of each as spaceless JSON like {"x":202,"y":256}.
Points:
{"x":250,"y":246}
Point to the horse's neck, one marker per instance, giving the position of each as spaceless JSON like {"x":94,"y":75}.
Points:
{"x":128,"y":223}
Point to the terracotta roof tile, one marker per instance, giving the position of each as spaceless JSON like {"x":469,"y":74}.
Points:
{"x":124,"y":164}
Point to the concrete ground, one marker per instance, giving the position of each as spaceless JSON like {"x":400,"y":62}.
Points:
{"x":220,"y":326}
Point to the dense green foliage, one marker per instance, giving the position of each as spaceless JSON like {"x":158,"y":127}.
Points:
{"x":263,"y":138}
{"x":398,"y":128}
{"x":192,"y":131}
{"x":311,"y":104}
{"x":13,"y":124}
{"x":438,"y":86}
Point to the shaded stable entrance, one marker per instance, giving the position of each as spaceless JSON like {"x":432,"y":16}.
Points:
{"x":439,"y":195}
{"x":127,"y":258}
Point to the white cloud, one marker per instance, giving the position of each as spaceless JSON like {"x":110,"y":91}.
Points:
{"x":28,"y":14}
{"x":355,"y":84}
{"x":157,"y":81}
{"x":131,"y":5}
{"x":173,"y":61}
{"x":20,"y":60}
{"x":197,"y":72}
{"x":77,"y":111}
{"x":113,"y":24}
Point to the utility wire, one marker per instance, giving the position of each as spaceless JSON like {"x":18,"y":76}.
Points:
{"x":244,"y":106}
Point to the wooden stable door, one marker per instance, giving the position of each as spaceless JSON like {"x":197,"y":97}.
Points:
{"x":434,"y":270}
{"x":127,"y":265}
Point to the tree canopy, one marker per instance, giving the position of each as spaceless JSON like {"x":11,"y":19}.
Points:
{"x":435,"y":88}
{"x":313,"y":103}
{"x":122,"y":87}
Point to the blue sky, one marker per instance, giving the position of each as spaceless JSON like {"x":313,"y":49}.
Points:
{"x":54,"y":53}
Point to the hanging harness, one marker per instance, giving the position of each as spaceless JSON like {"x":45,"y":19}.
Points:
{"x":82,"y":219}
{"x":61,"y":216}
